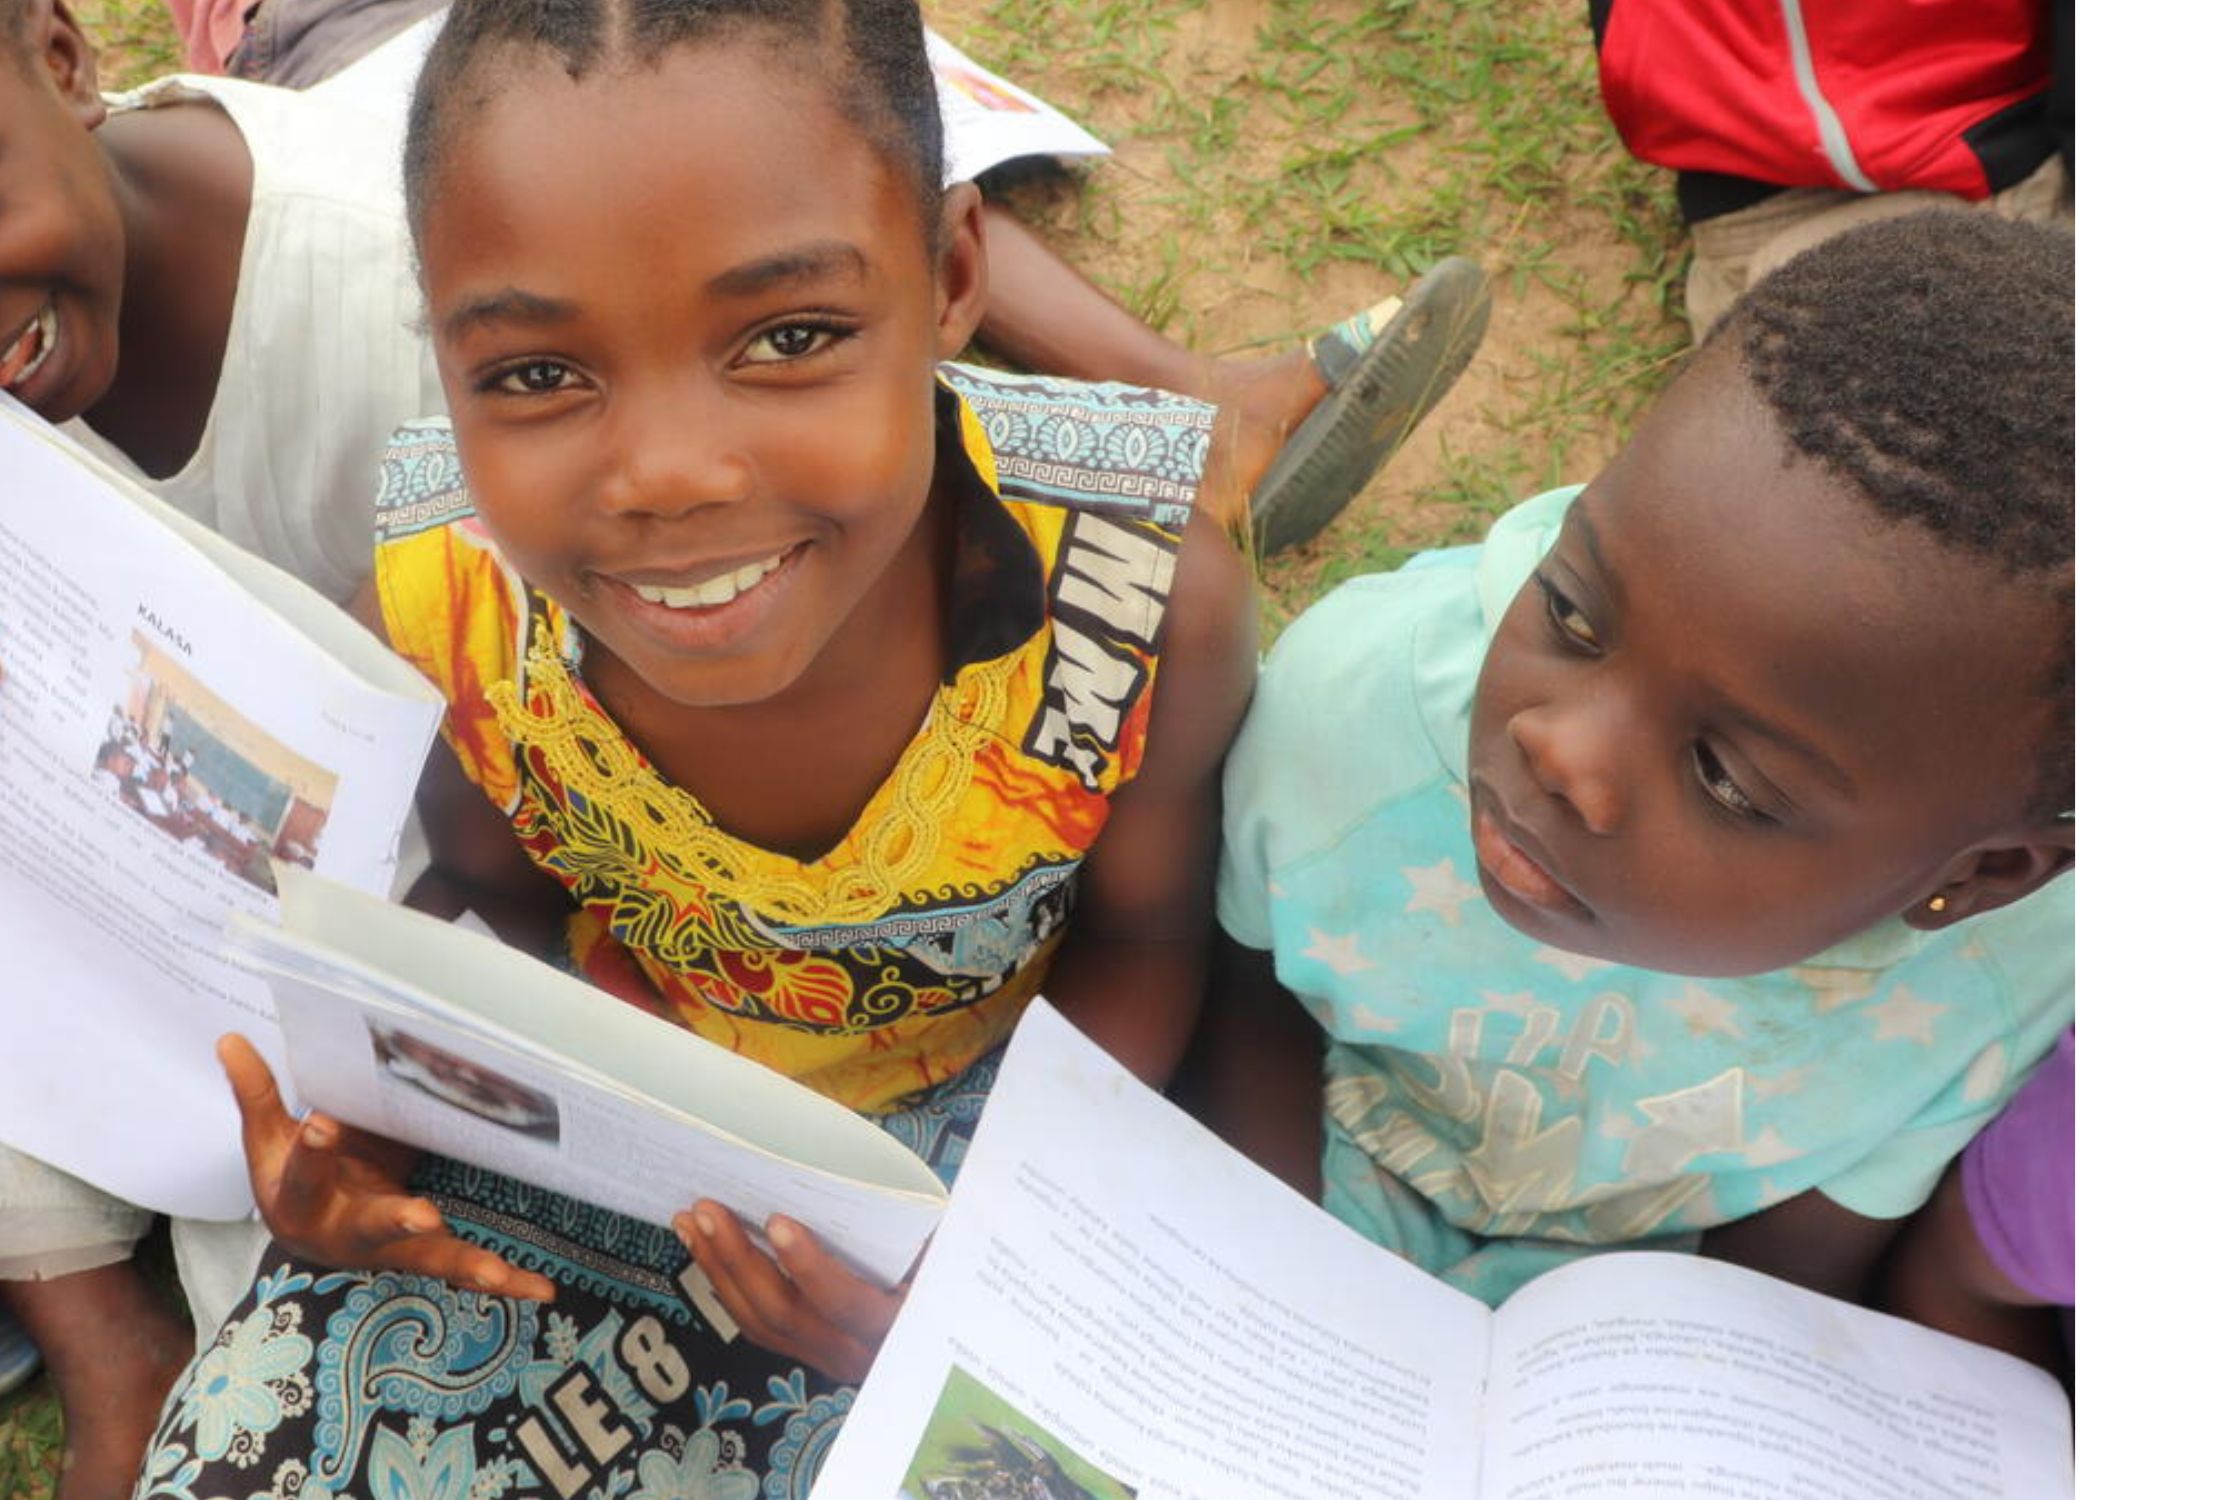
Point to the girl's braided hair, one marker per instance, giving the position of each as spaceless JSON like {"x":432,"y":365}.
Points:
{"x":1928,"y":361}
{"x":873,"y":53}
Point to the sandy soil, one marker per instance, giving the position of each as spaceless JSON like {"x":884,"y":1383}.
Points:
{"x":1231,"y":291}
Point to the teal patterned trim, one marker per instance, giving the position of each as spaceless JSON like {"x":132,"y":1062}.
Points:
{"x":1116,"y":449}
{"x":421,"y":481}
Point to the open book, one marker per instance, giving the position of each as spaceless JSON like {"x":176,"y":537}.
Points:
{"x":1117,"y":1304}
{"x":178,"y":721}
{"x":436,"y":1035}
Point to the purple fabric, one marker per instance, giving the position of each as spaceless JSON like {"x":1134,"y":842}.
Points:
{"x":2017,"y":1180}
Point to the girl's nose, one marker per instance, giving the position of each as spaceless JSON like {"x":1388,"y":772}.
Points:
{"x":675,"y":456}
{"x":1572,"y":750}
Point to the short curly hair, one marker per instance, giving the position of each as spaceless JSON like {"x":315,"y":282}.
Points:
{"x":1928,"y":361}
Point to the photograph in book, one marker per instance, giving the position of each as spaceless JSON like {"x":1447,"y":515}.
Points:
{"x":207,"y":775}
{"x":487,"y":1093}
{"x":979,"y":1446}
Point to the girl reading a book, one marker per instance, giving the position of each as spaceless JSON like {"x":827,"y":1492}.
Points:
{"x":791,"y":677}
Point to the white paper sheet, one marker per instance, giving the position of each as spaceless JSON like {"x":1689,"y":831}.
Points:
{"x":1084,"y":1278}
{"x":118,"y":868}
{"x":446,"y":1039}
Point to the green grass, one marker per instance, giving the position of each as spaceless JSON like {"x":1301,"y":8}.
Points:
{"x":30,"y":1442}
{"x":1271,"y":178}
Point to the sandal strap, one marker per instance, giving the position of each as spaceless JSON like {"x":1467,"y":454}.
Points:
{"x":1336,"y":350}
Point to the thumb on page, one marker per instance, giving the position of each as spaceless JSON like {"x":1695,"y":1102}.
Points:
{"x":844,"y":1298}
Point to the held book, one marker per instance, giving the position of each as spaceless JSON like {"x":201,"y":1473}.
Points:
{"x":433,"y":1034}
{"x":1119,"y":1305}
{"x":179,"y":720}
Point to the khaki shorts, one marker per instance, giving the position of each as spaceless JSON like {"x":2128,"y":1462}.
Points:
{"x":53,"y":1225}
{"x":1732,"y":251}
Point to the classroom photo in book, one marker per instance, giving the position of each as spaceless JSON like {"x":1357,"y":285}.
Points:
{"x":196,"y":767}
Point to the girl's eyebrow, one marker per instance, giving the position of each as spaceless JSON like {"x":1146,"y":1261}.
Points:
{"x":510,"y":305}
{"x":822,"y":260}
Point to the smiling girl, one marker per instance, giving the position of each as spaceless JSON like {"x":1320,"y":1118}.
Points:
{"x":821,"y":698}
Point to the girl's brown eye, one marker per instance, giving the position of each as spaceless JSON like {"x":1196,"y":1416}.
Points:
{"x":788,"y":341}
{"x":535,"y":377}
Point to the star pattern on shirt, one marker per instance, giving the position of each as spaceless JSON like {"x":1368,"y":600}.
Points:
{"x":1364,"y":1019}
{"x":1834,"y":988}
{"x":1571,"y":966}
{"x":1705,"y":1013}
{"x":1440,"y":888}
{"x":1901,"y":1017}
{"x":1769,"y":1149}
{"x":1340,"y":955}
{"x":1777,"y":1085}
{"x":1988,"y":1071}
{"x":1518,"y":1006}
{"x":1691,"y":1122}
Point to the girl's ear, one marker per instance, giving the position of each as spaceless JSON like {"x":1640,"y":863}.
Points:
{"x":1995,"y":875}
{"x":961,"y":271}
{"x":67,"y":55}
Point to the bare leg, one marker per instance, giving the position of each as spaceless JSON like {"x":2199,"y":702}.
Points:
{"x":1046,"y":316}
{"x":112,"y":1347}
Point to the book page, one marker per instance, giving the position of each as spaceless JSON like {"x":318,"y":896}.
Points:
{"x":1117,"y":1294}
{"x":989,"y":120}
{"x":168,"y":739}
{"x":444,"y":1038}
{"x":1644,"y":1375}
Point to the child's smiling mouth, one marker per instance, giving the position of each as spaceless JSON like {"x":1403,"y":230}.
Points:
{"x":708,"y":593}
{"x":27,"y":349}
{"x":691,"y":611}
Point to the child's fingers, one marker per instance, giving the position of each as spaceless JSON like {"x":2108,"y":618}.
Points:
{"x":839,"y":1294}
{"x":769,"y":1309}
{"x":266,"y":1126}
{"x":461,"y":1263}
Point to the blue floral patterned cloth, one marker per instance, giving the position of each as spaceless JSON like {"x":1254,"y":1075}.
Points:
{"x":336,"y":1383}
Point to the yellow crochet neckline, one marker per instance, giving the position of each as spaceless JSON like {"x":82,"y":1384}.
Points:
{"x":683,"y":850}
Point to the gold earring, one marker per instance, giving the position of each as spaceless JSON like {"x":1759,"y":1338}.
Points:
{"x":1936,"y":903}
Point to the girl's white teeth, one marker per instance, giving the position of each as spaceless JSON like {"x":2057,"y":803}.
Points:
{"x":21,"y":360}
{"x":711,"y":592}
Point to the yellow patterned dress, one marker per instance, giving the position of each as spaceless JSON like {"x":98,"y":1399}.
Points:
{"x":904,"y":953}
{"x":884,"y":974}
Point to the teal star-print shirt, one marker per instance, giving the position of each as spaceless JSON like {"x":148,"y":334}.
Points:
{"x":1493,"y":1105}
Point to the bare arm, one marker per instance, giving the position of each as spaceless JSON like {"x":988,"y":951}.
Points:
{"x":478,"y":863}
{"x":1253,"y":1074}
{"x":1809,"y":1241}
{"x":1938,"y":1273}
{"x":1132,"y":970}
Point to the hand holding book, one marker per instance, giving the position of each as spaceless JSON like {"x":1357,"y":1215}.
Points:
{"x":340,"y":1197}
{"x":800,"y":1300}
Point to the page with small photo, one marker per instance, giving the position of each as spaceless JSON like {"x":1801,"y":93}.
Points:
{"x":433,"y":1034}
{"x":175,"y":725}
